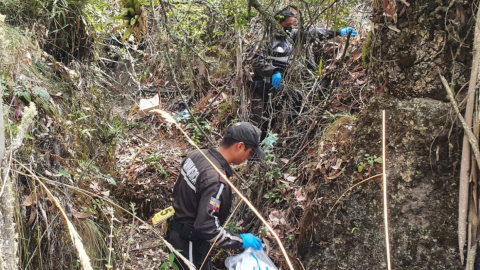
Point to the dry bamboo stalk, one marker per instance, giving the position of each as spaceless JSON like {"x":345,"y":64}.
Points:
{"x":465,"y":161}
{"x":77,"y":241}
{"x":170,"y":119}
{"x":385,"y":191}
{"x":88,"y":193}
{"x":472,"y":209}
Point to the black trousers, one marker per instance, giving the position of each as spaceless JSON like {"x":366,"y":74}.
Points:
{"x":195,"y":251}
{"x":266,"y":91}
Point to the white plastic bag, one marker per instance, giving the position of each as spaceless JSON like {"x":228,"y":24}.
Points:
{"x":250,"y":259}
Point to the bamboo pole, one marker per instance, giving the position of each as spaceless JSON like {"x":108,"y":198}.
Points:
{"x":465,"y":161}
{"x":385,"y":193}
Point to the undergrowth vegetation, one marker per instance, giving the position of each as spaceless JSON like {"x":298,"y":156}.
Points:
{"x":79,"y":62}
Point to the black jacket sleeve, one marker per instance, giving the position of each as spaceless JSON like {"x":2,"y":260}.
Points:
{"x":318,"y":34}
{"x":213,"y":196}
{"x":259,"y":63}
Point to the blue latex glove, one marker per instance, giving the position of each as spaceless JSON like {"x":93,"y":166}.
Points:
{"x":346,"y":30}
{"x":276,"y":78}
{"x":249,"y":240}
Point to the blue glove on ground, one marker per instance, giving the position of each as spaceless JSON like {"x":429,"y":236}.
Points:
{"x":346,"y":30}
{"x":276,"y":78}
{"x":249,"y":240}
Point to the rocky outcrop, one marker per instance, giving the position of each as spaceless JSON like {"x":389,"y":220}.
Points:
{"x":421,"y":161}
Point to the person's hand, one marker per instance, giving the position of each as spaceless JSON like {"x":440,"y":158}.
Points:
{"x":249,"y":240}
{"x":346,"y":30}
{"x":276,"y":79}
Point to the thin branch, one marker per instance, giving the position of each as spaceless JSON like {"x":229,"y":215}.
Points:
{"x":220,"y":234}
{"x":471,"y":137}
{"x":346,"y":47}
{"x":350,"y":188}
{"x":278,"y":31}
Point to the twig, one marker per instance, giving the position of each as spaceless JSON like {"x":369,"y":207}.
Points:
{"x":302,"y":145}
{"x":2,"y":128}
{"x":277,"y":29}
{"x":312,"y":126}
{"x":85,"y":170}
{"x":110,"y":237}
{"x":471,"y":137}
{"x":463,"y":193}
{"x":294,"y":157}
{"x":346,"y":47}
{"x":218,"y":236}
{"x":350,"y":188}
{"x":142,"y":150}
{"x":172,"y":70}
{"x":301,"y":264}
{"x":211,"y":102}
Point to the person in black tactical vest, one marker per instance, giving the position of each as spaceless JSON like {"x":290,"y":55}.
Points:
{"x":202,"y":198}
{"x":271,"y":60}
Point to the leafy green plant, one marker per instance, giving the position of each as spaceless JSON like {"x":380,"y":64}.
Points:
{"x":369,"y":160}
{"x":275,"y":194}
{"x":232,"y":227}
{"x":154,"y":160}
{"x":372,"y":160}
{"x":170,"y":264}
{"x":274,"y":174}
{"x":290,"y":237}
{"x":277,"y":197}
{"x":197,"y":133}
{"x":133,"y":17}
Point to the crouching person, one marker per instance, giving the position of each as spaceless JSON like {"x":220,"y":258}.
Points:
{"x":202,"y":199}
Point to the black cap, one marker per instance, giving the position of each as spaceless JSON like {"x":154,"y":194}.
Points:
{"x":248,"y":134}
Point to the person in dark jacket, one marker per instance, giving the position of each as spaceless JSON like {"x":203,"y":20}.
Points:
{"x":271,"y":60}
{"x":202,"y":198}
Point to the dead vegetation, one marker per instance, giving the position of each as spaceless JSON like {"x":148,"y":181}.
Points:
{"x":100,"y":158}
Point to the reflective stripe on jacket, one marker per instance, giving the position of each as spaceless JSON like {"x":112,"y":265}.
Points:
{"x":203,"y":199}
{"x":275,"y":55}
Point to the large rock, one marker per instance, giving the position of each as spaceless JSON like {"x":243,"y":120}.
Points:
{"x":428,"y":36}
{"x":422,"y":158}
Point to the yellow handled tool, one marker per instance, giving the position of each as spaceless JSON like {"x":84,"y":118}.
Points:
{"x":163,"y":215}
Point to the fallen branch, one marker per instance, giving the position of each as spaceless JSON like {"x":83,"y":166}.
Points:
{"x":77,"y":242}
{"x":468,"y":131}
{"x":350,"y":188}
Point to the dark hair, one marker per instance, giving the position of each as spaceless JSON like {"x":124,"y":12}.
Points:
{"x":284,"y":15}
{"x":227,"y":142}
